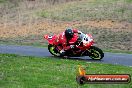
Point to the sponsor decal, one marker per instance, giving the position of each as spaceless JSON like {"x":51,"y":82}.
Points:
{"x":83,"y":78}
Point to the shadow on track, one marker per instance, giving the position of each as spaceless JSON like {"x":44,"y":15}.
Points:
{"x":77,"y":58}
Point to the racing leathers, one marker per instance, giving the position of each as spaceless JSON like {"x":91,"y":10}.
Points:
{"x":65,"y":43}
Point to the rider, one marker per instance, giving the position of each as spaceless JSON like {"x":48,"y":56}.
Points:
{"x":67,"y":39}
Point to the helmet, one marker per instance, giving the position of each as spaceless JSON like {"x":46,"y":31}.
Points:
{"x":69,"y":33}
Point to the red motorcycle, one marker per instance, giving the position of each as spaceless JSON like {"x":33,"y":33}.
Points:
{"x":84,"y":47}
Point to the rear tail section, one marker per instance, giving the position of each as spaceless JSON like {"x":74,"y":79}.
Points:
{"x":46,"y":36}
{"x":50,"y":38}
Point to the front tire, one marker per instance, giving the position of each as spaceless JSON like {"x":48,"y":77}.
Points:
{"x":95,"y":53}
{"x":52,"y":50}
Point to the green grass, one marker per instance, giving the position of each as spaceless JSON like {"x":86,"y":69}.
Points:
{"x":117,"y":51}
{"x":33,"y":72}
{"x":90,"y":10}
{"x":2,"y":1}
{"x":129,"y":1}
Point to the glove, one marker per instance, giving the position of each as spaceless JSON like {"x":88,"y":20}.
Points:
{"x":72,"y":46}
{"x":79,"y":32}
{"x":62,"y":51}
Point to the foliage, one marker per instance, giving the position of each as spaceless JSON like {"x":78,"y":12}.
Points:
{"x":33,"y":72}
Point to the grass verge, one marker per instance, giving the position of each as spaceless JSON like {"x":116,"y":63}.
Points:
{"x":2,"y":1}
{"x":33,"y":72}
{"x":90,"y":10}
{"x":117,"y":51}
{"x":107,"y":39}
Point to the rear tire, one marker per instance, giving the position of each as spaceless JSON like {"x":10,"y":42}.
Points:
{"x":52,"y":51}
{"x":95,"y":53}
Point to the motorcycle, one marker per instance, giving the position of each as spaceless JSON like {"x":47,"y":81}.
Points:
{"x":84,"y":47}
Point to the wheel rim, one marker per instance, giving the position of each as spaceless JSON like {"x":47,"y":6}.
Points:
{"x":52,"y":51}
{"x":95,"y":54}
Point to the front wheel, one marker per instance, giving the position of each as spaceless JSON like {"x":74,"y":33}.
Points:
{"x":95,"y":53}
{"x":53,"y":51}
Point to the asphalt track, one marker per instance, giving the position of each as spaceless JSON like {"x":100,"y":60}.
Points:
{"x":112,"y":58}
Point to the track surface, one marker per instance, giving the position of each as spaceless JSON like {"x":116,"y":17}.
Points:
{"x":112,"y":58}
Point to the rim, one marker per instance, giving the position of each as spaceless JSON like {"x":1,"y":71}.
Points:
{"x":52,"y":51}
{"x":95,"y":54}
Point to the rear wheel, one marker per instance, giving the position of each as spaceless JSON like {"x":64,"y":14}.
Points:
{"x":53,"y":51}
{"x":95,"y":53}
